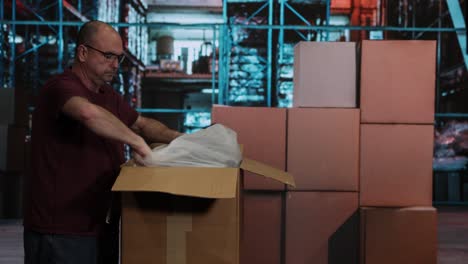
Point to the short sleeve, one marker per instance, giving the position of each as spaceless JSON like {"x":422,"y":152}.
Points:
{"x":62,"y":90}
{"x":127,"y":114}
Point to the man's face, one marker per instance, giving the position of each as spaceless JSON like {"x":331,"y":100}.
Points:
{"x":104,"y":56}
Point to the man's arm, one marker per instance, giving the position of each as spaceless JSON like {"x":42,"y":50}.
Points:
{"x":104,"y":123}
{"x":154,"y":131}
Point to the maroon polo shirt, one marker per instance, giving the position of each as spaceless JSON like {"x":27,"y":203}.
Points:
{"x":73,"y":169}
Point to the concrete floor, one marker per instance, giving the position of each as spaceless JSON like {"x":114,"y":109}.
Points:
{"x":452,"y":236}
{"x":11,"y":242}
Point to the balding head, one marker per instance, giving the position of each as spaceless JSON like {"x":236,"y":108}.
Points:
{"x":92,"y":29}
{"x":99,"y":51}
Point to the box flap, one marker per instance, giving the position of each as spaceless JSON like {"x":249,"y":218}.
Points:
{"x":194,"y":181}
{"x":267,"y":171}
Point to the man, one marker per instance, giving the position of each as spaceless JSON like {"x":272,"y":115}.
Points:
{"x":80,"y":126}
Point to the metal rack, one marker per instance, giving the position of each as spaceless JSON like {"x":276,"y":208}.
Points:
{"x":54,"y":38}
{"x":285,"y":47}
{"x":272,"y":22}
{"x":69,"y":15}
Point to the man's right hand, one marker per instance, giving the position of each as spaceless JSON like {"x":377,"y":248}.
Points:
{"x":141,"y":151}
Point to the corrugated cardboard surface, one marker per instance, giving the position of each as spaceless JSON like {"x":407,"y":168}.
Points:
{"x":325,"y":74}
{"x":396,"y":165}
{"x":261,"y":228}
{"x":403,"y":236}
{"x":312,"y":218}
{"x":323,"y":148}
{"x":262,"y":132}
{"x":398,"y":81}
{"x":198,"y":182}
{"x":193,"y":181}
{"x":259,"y":168}
{"x":169,"y":229}
{"x":168,"y":215}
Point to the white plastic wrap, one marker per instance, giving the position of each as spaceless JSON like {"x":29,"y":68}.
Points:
{"x":215,"y":146}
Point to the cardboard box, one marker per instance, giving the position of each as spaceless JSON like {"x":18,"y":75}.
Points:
{"x":323,"y":148}
{"x":261,"y":228}
{"x":322,"y":227}
{"x":396,"y":165}
{"x":399,"y":235}
{"x":398,"y":81}
{"x":268,"y":122}
{"x":184,"y":215}
{"x":324,"y":74}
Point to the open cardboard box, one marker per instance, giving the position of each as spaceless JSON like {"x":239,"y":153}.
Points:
{"x":176,"y":215}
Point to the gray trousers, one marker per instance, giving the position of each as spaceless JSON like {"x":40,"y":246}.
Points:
{"x":59,"y":249}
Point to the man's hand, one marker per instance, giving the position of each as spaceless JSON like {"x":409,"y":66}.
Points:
{"x":141,"y":151}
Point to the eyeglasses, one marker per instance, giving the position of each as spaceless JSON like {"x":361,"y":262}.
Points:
{"x":109,"y":56}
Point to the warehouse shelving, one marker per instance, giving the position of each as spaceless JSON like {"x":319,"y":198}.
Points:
{"x":178,"y":76}
{"x":250,"y":52}
{"x":276,"y":24}
{"x":296,"y":13}
{"x":49,"y":48}
{"x":166,"y":97}
{"x":273,"y":28}
{"x":450,"y":175}
{"x":283,"y":21}
{"x":179,"y":84}
{"x":274,"y":17}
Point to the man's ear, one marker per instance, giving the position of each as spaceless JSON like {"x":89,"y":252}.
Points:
{"x":82,"y":53}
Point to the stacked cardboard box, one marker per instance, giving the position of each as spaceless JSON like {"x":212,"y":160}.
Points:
{"x":325,"y":74}
{"x":322,"y":154}
{"x":262,"y":133}
{"x":381,"y":152}
{"x":316,"y":219}
{"x":398,"y":235}
{"x":398,"y":224}
{"x":363,"y":192}
{"x":321,"y":227}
